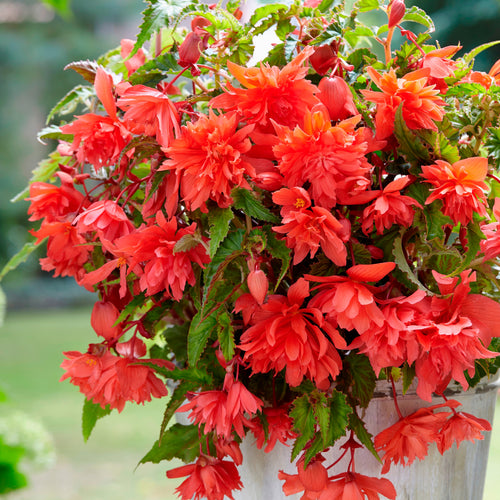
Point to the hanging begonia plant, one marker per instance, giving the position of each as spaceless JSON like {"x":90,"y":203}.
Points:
{"x":270,"y":232}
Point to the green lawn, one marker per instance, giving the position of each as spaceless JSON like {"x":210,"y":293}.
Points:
{"x":31,"y":343}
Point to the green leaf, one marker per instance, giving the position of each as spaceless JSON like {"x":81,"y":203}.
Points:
{"x":409,"y":143}
{"x":279,"y":250}
{"x":417,"y":15}
{"x":44,"y":172}
{"x":53,"y":132}
{"x":408,"y":376}
{"x":265,"y":11}
{"x":474,"y":52}
{"x":406,"y":274}
{"x":225,"y":334}
{"x":191,"y":374}
{"x":339,"y":413}
{"x":365,"y":438}
{"x":367,"y":5}
{"x":198,"y":335}
{"x":179,"y":441}
{"x":158,"y":15}
{"x":176,"y":338}
{"x":90,"y":415}
{"x":155,"y":70}
{"x":363,"y":378}
{"x":87,"y":69}
{"x":441,"y":146}
{"x":304,"y":423}
{"x":18,"y":259}
{"x":474,"y":237}
{"x":465,"y":89}
{"x":70,"y":101}
{"x":246,"y":201}
{"x":219,"y":220}
{"x":175,"y":401}
{"x":436,"y":221}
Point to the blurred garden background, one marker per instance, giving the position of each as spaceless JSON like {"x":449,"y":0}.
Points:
{"x":45,"y":316}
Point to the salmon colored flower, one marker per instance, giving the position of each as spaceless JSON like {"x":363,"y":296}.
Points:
{"x":441,"y":66}
{"x":136,"y":61}
{"x":149,"y":112}
{"x":270,"y":93}
{"x":283,"y":335}
{"x":349,"y":302}
{"x":390,"y":207}
{"x":258,"y":284}
{"x":55,"y":203}
{"x":308,"y":229}
{"x":311,"y":480}
{"x":209,"y":478}
{"x":224,"y":410}
{"x":209,"y":159}
{"x":392,"y":342}
{"x":98,"y":140}
{"x":420,"y":104}
{"x":279,"y":428}
{"x":105,"y":217}
{"x":228,"y":448}
{"x":167,"y":264}
{"x":460,"y":186}
{"x":460,"y":427}
{"x":67,"y":250}
{"x":409,"y":438}
{"x":326,"y":156}
{"x":491,"y":245}
{"x":355,"y":486}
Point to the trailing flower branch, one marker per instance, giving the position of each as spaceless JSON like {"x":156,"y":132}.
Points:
{"x":270,"y":240}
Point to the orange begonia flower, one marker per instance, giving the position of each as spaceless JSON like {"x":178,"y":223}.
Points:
{"x":420,"y":103}
{"x":460,"y":186}
{"x":270,"y":93}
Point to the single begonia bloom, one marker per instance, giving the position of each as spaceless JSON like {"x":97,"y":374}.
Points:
{"x":420,"y":104}
{"x":209,"y":478}
{"x":311,"y":480}
{"x":136,"y":61}
{"x":460,"y":186}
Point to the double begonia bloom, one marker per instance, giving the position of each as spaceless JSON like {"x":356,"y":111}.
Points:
{"x":270,"y":93}
{"x":55,"y":203}
{"x":283,"y":335}
{"x":107,"y":219}
{"x":390,"y":207}
{"x":349,"y":302}
{"x":307,"y":229}
{"x":410,"y":437}
{"x":209,"y":478}
{"x":460,"y":186}
{"x":67,"y":250}
{"x":279,"y":428}
{"x":167,"y":265}
{"x":355,"y":486}
{"x":209,"y":160}
{"x":328,"y":157}
{"x":149,"y":112}
{"x":420,"y":105}
{"x":223,"y":410}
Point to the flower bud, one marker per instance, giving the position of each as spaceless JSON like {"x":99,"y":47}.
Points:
{"x":336,"y":95}
{"x":323,"y":59}
{"x":397,"y":11}
{"x":258,"y":285}
{"x":190,"y":49}
{"x":103,"y":319}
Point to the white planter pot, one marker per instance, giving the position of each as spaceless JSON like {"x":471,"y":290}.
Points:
{"x":457,"y":475}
